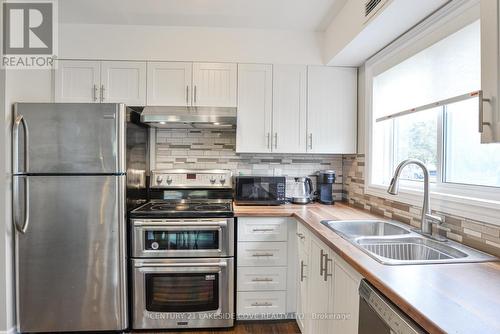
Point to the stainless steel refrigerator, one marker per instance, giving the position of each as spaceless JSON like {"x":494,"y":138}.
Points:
{"x":69,"y":211}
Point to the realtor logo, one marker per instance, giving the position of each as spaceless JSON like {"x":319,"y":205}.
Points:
{"x":28,"y":34}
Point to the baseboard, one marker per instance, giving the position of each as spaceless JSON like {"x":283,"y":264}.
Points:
{"x":10,"y":331}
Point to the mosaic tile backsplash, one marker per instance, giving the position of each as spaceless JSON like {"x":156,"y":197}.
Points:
{"x":197,"y":149}
{"x":476,"y":234}
{"x":209,"y":149}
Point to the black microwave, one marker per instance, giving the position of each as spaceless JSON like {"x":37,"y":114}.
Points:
{"x":260,"y":190}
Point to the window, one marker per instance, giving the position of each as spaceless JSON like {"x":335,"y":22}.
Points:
{"x":439,"y":60}
{"x":466,"y":161}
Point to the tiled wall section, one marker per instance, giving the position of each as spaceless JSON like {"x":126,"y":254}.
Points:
{"x":216,"y":149}
{"x":476,"y":234}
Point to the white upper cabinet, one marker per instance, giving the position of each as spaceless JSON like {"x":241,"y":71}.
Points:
{"x":101,"y":81}
{"x":289,"y":108}
{"x":123,"y":82}
{"x":332,"y":110}
{"x":77,"y":81}
{"x":214,"y":85}
{"x":490,"y":67}
{"x":169,"y":83}
{"x":255,"y":104}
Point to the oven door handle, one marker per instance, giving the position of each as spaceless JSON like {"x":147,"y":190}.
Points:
{"x":181,"y":224}
{"x":186,"y":264}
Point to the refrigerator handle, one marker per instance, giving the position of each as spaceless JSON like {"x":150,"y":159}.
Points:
{"x":15,"y":145}
{"x":15,"y":202}
{"x":15,"y":168}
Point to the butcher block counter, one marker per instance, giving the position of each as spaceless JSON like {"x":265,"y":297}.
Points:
{"x":442,"y":298}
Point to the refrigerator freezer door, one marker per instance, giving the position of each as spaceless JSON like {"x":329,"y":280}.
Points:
{"x":70,"y":138}
{"x":70,"y":263}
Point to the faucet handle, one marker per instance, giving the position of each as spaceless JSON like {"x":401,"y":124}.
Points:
{"x":433,"y":219}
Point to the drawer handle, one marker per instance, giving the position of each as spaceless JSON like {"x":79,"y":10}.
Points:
{"x":300,"y":235}
{"x":263,"y":230}
{"x":262,"y":304}
{"x":262,"y":255}
{"x":262,"y":280}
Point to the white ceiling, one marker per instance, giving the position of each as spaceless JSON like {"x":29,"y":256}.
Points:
{"x":305,"y":15}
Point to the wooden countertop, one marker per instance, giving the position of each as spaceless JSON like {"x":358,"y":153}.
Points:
{"x":442,"y":298}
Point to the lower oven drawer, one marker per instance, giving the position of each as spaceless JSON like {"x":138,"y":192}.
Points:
{"x":261,"y":304}
{"x":182,"y":293}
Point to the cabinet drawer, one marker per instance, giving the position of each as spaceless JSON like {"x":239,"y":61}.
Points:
{"x":251,"y":304}
{"x":262,"y":229}
{"x":261,"y":278}
{"x":262,"y":254}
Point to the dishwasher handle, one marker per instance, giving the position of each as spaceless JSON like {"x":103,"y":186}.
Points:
{"x":386,"y":311}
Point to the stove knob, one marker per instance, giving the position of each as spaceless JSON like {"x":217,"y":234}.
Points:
{"x":212,"y":180}
{"x":169,"y":180}
{"x":159,"y":179}
{"x":222,"y":180}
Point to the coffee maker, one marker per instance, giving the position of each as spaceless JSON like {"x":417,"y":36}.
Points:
{"x":326,"y":179}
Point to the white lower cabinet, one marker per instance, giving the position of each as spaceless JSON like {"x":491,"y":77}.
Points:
{"x":262,"y":278}
{"x":284,"y":270}
{"x":320,"y":287}
{"x":260,"y":304}
{"x":262,"y":253}
{"x":327,"y":289}
{"x":303,"y":315}
{"x":266,"y":268}
{"x":346,"y":301}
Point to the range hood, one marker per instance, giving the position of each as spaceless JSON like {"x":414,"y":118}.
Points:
{"x":189,"y":117}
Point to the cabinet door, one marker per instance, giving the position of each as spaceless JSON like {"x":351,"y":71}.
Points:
{"x":320,"y":287}
{"x":332,"y":110}
{"x":303,"y":314}
{"x":289,"y":108}
{"x":346,"y":298}
{"x":214,"y":84}
{"x":255,"y":93}
{"x":123,"y":82}
{"x":77,"y":81}
{"x":490,"y":67}
{"x":169,"y":83}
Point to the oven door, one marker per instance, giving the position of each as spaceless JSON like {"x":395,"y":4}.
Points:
{"x":183,"y":238}
{"x":182,"y":293}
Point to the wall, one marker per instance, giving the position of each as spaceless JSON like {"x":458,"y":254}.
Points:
{"x":216,"y":149}
{"x":4,"y":272}
{"x":115,"y":42}
{"x":361,"y":110}
{"x":476,"y":234}
{"x":361,"y":38}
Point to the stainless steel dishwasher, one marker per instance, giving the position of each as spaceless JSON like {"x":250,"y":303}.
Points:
{"x":378,"y":315}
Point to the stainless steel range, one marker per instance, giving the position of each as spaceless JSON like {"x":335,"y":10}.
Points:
{"x":182,"y":249}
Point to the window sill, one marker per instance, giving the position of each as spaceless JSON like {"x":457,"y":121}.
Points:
{"x":483,"y":210}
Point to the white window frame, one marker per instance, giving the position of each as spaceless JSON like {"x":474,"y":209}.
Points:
{"x":469,"y":201}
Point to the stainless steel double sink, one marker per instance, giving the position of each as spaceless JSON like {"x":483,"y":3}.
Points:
{"x":393,"y":243}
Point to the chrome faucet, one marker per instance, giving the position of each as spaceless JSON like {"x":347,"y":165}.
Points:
{"x":427,"y":217}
